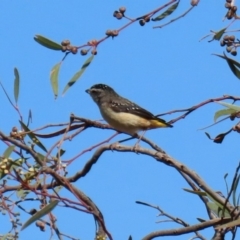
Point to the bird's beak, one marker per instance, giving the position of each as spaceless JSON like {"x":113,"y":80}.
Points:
{"x":87,"y":91}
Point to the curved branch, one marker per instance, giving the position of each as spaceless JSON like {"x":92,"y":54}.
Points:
{"x":184,"y":230}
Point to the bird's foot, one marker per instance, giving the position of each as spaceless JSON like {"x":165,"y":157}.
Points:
{"x":114,"y":145}
{"x":135,"y":147}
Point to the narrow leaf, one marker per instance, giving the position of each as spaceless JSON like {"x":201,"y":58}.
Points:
{"x":195,"y":192}
{"x":169,"y":11}
{"x":8,"y":151}
{"x":208,"y":135}
{"x":54,"y":78}
{"x":219,"y":34}
{"x":78,"y":74}
{"x":22,"y":193}
{"x":230,"y":106}
{"x":32,"y":136}
{"x":44,"y":211}
{"x":16,"y":84}
{"x":225,"y":57}
{"x":47,"y":43}
{"x":29,"y":117}
{"x":234,"y":65}
{"x":226,"y":212}
{"x":235,"y":185}
{"x":223,"y":112}
{"x":216,"y":209}
{"x":201,"y":220}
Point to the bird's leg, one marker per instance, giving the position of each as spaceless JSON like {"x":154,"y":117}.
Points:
{"x":115,"y":143}
{"x":138,"y":141}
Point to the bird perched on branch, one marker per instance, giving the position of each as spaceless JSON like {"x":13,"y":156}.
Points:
{"x":122,"y":114}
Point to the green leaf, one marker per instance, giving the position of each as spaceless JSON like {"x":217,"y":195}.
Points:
{"x":219,"y":34}
{"x":8,"y":151}
{"x":47,"y":43}
{"x":10,"y":165}
{"x":169,"y":11}
{"x":32,"y":136}
{"x":235,"y":186}
{"x":16,"y":84}
{"x":195,"y":192}
{"x":234,"y":65}
{"x":217,"y":209}
{"x":44,"y":211}
{"x":22,"y":193}
{"x":229,"y":225}
{"x":225,"y":57}
{"x":54,"y":78}
{"x":223,"y":112}
{"x":208,"y":135}
{"x":201,"y":220}
{"x":78,"y":74}
{"x":230,"y":106}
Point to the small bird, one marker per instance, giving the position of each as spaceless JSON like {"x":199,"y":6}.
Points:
{"x":122,"y":114}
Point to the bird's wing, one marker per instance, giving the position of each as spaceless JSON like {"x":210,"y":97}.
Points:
{"x":130,"y":107}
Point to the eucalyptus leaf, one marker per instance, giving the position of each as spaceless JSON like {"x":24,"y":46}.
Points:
{"x":8,"y":151}
{"x":234,"y":65}
{"x":223,"y":112}
{"x":195,"y":192}
{"x":47,"y":43}
{"x":219,"y":34}
{"x":54,"y":78}
{"x":169,"y":11}
{"x":16,"y":84}
{"x":44,"y":211}
{"x":230,"y":106}
{"x":78,"y":74}
{"x":32,"y":136}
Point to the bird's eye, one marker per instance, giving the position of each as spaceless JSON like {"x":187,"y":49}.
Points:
{"x":94,"y":91}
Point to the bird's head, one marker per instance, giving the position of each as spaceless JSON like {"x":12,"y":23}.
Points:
{"x":99,"y":92}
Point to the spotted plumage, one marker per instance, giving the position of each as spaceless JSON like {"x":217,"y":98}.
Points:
{"x":121,"y":113}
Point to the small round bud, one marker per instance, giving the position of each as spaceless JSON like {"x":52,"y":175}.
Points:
{"x":222,"y":43}
{"x":194,"y":2}
{"x":114,"y":33}
{"x":74,"y":50}
{"x":64,"y":48}
{"x":225,"y":38}
{"x":83,"y":52}
{"x":229,"y":49}
{"x":115,"y":13}
{"x":65,"y":43}
{"x":109,"y":33}
{"x":234,"y":9}
{"x":142,"y":22}
{"x":69,"y":47}
{"x":231,"y":38}
{"x":234,"y":52}
{"x":122,"y":10}
{"x":94,"y":51}
{"x":92,"y":42}
{"x":147,"y":19}
{"x":14,"y":129}
{"x":229,"y":15}
{"x":119,"y":16}
{"x":228,"y":5}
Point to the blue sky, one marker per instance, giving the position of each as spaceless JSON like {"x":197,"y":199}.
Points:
{"x":160,"y":69}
